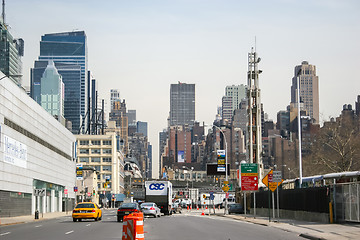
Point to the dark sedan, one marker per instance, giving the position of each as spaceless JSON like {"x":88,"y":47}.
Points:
{"x":126,"y":209}
{"x":236,"y":208}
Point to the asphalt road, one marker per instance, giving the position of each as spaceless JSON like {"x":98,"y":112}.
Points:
{"x":65,"y":228}
{"x":195,"y":226}
{"x":184,"y":226}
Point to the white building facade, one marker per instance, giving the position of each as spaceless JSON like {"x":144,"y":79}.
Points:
{"x":102,"y":153}
{"x":37,"y":162}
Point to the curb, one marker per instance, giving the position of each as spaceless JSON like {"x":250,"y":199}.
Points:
{"x":307,"y":236}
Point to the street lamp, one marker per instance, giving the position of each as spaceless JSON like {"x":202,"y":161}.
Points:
{"x":299,"y":124}
{"x":192,"y":168}
{"x":226,"y":162}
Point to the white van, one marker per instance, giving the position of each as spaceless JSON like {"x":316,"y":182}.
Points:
{"x":231,"y":200}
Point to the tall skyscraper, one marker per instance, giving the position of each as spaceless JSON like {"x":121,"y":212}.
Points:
{"x":11,"y":51}
{"x":182,"y":104}
{"x":52,"y":92}
{"x":142,"y":127}
{"x":70,"y":48}
{"x":70,"y":74}
{"x":309,"y":89}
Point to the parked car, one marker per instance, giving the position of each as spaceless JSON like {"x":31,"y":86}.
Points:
{"x":127,"y":208}
{"x":150,"y":208}
{"x":236,"y":208}
{"x":86,"y":210}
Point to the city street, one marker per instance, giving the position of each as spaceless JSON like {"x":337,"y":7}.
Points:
{"x":65,"y":228}
{"x":195,"y":226}
{"x":178,"y":226}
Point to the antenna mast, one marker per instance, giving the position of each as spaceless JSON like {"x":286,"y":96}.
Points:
{"x":3,"y":11}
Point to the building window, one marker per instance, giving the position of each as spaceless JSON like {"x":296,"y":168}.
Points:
{"x":106,"y":159}
{"x":84,"y":150}
{"x":84,"y":142}
{"x":106,"y":168}
{"x":95,"y":151}
{"x":84,"y":159}
{"x":107,"y":151}
{"x":95,"y":142}
{"x":106,"y":142}
{"x":95,"y":159}
{"x":96,"y":167}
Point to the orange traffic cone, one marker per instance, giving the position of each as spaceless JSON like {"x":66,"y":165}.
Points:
{"x":139,"y":226}
{"x":202,"y":214}
{"x":197,"y":207}
{"x":125,"y":229}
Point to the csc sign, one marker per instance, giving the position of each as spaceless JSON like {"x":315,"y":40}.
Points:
{"x":156,"y":188}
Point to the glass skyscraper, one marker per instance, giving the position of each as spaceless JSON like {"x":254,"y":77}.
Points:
{"x":68,"y":50}
{"x":11,"y":51}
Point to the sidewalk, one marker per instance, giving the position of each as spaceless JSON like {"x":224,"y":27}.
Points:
{"x":307,"y":230}
{"x":31,"y":218}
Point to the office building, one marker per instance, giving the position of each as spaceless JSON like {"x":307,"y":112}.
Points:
{"x":101,"y":153}
{"x":11,"y":51}
{"x":52,"y":92}
{"x":230,"y":102}
{"x":142,"y":127}
{"x":69,"y":48}
{"x":309,"y":89}
{"x":114,"y":96}
{"x":182,"y":104}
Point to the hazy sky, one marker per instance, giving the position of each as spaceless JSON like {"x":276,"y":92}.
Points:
{"x":141,"y":47}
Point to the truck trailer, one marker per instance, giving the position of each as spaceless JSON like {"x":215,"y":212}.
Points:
{"x":159,"y":192}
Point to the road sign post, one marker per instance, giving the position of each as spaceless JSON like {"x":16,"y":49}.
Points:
{"x":272,"y":180}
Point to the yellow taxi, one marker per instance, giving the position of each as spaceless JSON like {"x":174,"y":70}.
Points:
{"x":86,"y":210}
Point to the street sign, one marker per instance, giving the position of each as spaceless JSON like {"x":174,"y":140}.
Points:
{"x":276,"y":176}
{"x":221,"y":156}
{"x":79,"y":166}
{"x":225,"y":188}
{"x":40,"y":192}
{"x":79,"y":175}
{"x":268,"y":180}
{"x":75,"y":189}
{"x":249,"y":177}
{"x":212,"y":197}
{"x":249,"y":168}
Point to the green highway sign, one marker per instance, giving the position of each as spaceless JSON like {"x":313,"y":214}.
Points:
{"x":249,"y":168}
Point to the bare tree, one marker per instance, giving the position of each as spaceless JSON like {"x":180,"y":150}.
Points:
{"x":336,"y":148}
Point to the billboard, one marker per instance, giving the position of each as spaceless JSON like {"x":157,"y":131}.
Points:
{"x":181,"y":156}
{"x":217,"y":169}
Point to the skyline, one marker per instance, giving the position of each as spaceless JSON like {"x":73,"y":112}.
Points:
{"x":158,"y":43}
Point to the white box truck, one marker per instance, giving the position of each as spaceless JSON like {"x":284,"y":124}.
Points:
{"x":159,"y":192}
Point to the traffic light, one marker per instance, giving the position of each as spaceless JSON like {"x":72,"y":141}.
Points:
{"x":93,"y":192}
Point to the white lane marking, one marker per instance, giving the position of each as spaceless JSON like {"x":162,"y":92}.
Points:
{"x":69,"y":232}
{"x":3,"y":234}
{"x":38,"y":226}
{"x":88,"y":224}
